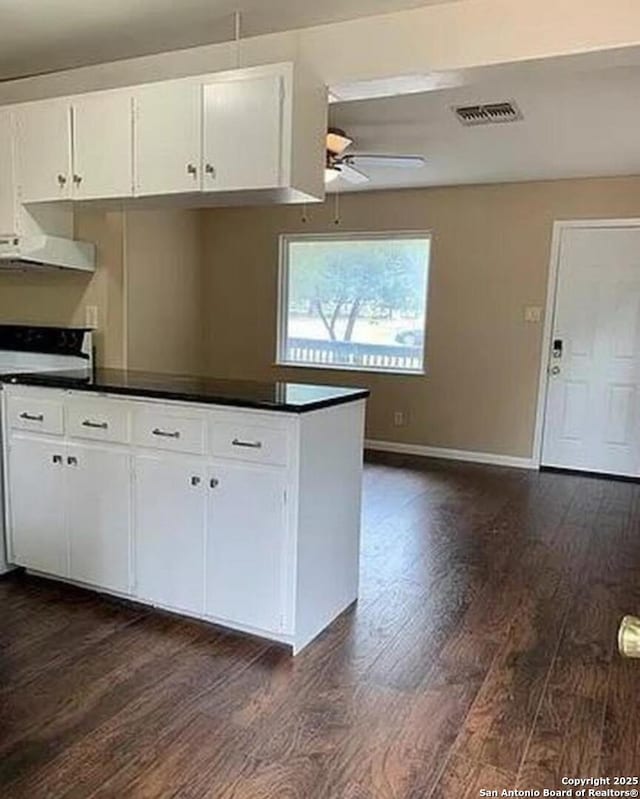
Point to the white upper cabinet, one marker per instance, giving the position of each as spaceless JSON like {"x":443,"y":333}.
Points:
{"x":243,"y":126}
{"x":167,"y":138}
{"x":43,"y":150}
{"x":260,"y":129}
{"x":7,"y":185}
{"x":102,"y":146}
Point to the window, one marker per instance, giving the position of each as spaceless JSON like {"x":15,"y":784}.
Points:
{"x":355,"y":301}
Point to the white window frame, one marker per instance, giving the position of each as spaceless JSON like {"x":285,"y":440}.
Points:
{"x":283,"y":296}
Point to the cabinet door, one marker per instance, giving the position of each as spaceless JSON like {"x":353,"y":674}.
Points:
{"x":170,"y":516}
{"x":99,"y":491}
{"x":7,"y":184}
{"x":43,"y":149}
{"x":246,"y":546}
{"x":103,"y":146}
{"x":167,"y":135}
{"x":37,"y":510}
{"x":243,"y":134}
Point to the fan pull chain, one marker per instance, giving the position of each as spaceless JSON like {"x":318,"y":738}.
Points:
{"x":336,"y":203}
{"x":304,"y":218}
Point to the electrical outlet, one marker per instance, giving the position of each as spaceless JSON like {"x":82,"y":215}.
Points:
{"x":399,"y":418}
{"x":91,"y":316}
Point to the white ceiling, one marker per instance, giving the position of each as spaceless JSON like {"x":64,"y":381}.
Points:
{"x":575,"y":125}
{"x":46,"y":35}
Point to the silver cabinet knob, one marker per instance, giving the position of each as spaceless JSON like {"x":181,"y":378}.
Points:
{"x":210,"y":170}
{"x":72,"y":461}
{"x":214,"y":483}
{"x":62,"y":179}
{"x":195,"y":481}
{"x":77,"y":179}
{"x":555,"y":370}
{"x":57,"y":459}
{"x":192,"y":170}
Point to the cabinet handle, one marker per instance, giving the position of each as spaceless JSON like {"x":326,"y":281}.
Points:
{"x":31,"y":417}
{"x":165,"y":433}
{"x":195,"y":481}
{"x":210,"y":170}
{"x":192,"y":170}
{"x":248,"y":444}
{"x":95,"y":425}
{"x":214,"y":482}
{"x":77,"y":179}
{"x":57,"y":458}
{"x":72,"y":461}
{"x":62,"y":180}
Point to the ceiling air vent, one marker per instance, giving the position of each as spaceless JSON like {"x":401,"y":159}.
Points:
{"x":488,"y":113}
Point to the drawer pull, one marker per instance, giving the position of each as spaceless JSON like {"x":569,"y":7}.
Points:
{"x":32,"y":417}
{"x":95,"y":425}
{"x":165,"y":433}
{"x":72,"y":461}
{"x":248,"y":444}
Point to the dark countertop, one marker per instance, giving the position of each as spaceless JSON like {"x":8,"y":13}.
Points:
{"x":276,"y":396}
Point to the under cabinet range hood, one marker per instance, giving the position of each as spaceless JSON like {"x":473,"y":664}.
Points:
{"x":41,"y":251}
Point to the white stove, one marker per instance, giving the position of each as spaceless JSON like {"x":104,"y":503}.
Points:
{"x":31,"y":348}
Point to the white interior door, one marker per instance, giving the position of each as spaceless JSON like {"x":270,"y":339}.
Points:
{"x":168,"y":133}
{"x":243,"y":133}
{"x":592,"y":420}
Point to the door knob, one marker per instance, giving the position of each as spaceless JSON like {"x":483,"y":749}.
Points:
{"x":629,"y":637}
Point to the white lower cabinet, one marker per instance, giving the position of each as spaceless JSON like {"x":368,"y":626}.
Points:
{"x":170,"y":512}
{"x":38,"y":505}
{"x":99,"y":516}
{"x":247,"y":546}
{"x":70,"y":511}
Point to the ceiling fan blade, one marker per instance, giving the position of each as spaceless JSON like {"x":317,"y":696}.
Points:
{"x":351,"y":174}
{"x":337,"y":141}
{"x":387,"y":161}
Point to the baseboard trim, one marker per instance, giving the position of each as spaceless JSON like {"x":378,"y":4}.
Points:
{"x":450,"y":454}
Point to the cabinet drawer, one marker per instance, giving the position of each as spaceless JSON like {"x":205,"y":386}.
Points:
{"x":169,"y":431}
{"x":249,"y":442}
{"x":35,"y":414}
{"x":98,"y":421}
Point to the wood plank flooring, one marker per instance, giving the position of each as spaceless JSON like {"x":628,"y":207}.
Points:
{"x":480,"y":655}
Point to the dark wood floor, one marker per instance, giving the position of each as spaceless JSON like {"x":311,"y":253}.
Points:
{"x":481,"y":655}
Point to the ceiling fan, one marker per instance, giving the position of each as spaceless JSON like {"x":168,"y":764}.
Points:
{"x":349,"y":166}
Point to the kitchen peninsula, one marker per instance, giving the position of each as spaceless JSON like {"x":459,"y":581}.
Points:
{"x":231,"y":501}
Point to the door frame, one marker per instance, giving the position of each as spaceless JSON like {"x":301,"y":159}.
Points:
{"x":559,"y":227}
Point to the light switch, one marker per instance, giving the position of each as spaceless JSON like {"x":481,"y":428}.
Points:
{"x":91,"y":316}
{"x":533,"y":313}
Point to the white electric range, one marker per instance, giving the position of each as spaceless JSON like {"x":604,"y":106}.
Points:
{"x":31,"y":348}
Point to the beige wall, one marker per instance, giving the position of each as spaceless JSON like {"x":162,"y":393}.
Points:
{"x":169,"y":281}
{"x":164,"y":299}
{"x":147,"y":288}
{"x":490,"y":260}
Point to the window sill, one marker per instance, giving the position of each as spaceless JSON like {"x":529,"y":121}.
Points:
{"x":356,"y":369}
